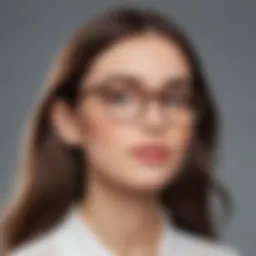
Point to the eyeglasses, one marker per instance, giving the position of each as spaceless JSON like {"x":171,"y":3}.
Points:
{"x":129,"y":103}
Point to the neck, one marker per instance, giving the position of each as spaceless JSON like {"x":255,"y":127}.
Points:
{"x":122,"y":219}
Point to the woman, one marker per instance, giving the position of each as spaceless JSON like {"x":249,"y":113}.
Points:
{"x":121,"y":147}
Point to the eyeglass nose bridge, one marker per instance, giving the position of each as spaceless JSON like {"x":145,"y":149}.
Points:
{"x":151,"y":97}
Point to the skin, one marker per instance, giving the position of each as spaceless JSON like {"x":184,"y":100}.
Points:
{"x":121,"y":188}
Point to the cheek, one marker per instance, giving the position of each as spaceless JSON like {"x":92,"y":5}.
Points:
{"x":102,"y":140}
{"x":180,"y":140}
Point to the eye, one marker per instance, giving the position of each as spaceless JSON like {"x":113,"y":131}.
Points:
{"x":120,"y":96}
{"x":176,"y":100}
{"x":117,"y":96}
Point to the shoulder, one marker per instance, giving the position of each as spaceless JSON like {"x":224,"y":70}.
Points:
{"x":41,"y":246}
{"x":197,"y":245}
{"x":61,"y":239}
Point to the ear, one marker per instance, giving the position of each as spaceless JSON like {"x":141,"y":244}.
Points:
{"x":65,"y":123}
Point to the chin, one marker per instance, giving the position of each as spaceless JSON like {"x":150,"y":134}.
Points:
{"x":151,"y":183}
{"x":155,"y":178}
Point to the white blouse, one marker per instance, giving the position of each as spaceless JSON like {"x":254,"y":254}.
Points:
{"x":73,"y":238}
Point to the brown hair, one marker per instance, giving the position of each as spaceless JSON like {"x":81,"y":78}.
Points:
{"x":53,"y":173}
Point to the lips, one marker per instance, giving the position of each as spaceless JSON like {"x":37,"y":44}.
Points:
{"x":151,"y":153}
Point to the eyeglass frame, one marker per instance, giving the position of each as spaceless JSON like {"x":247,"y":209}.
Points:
{"x":99,"y":89}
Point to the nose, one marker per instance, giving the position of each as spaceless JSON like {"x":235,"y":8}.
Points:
{"x":153,"y":117}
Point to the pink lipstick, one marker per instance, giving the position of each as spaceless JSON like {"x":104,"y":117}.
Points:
{"x":151,"y":153}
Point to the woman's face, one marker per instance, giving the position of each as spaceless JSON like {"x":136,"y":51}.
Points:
{"x":146,"y":152}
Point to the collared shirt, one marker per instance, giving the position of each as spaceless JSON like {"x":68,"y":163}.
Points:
{"x":74,"y":238}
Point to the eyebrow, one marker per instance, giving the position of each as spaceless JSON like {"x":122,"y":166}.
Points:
{"x":177,"y":82}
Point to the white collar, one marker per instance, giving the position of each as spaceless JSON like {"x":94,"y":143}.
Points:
{"x":73,"y":235}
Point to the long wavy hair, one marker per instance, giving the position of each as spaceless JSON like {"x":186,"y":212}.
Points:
{"x":53,"y":176}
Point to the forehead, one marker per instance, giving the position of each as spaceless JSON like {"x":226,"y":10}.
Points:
{"x":151,"y":58}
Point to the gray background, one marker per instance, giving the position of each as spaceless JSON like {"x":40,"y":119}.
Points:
{"x":32,"y":31}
